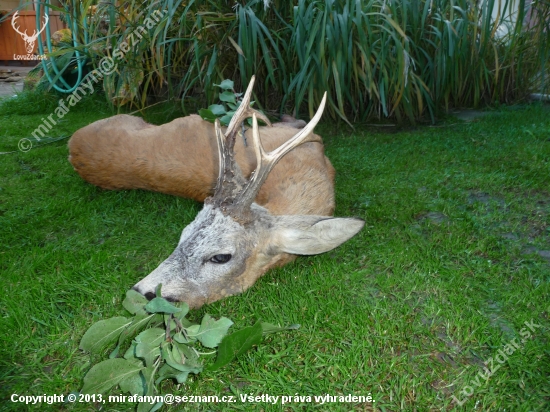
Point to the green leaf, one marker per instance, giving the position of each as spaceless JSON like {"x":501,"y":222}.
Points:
{"x":149,"y":377}
{"x":207,"y":115}
{"x":228,"y":97}
{"x":161,"y":305}
{"x":168,"y":372}
{"x":217,"y":109}
{"x":236,"y":344}
{"x":168,"y":356}
{"x":226,"y":84}
{"x":144,"y":407}
{"x":156,"y":321}
{"x":131,"y":352}
{"x":211,"y":331}
{"x":133,"y":384}
{"x":139,"y":322}
{"x":136,"y":362}
{"x":147,"y":407}
{"x":152,"y":336}
{"x":156,"y":407}
{"x":149,"y":353}
{"x":134,"y":302}
{"x":176,"y":359}
{"x":184,"y":310}
{"x":114,"y":353}
{"x":148,"y":345}
{"x":181,"y":337}
{"x":191,"y":355}
{"x":225,"y":120}
{"x":269,"y":328}
{"x":103,"y":333}
{"x":173,"y":325}
{"x":158,"y":291}
{"x":107,"y":374}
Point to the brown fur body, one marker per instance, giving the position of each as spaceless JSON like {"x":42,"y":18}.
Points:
{"x":180,"y":158}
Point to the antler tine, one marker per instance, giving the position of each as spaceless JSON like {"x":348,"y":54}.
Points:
{"x":221,"y":157}
{"x":46,"y":20}
{"x":266,"y":161}
{"x":245,"y":111}
{"x":301,"y":136}
{"x":13,"y":19}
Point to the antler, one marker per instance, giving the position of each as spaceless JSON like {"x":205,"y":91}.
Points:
{"x":233,"y":194}
{"x":25,"y":36}
{"x":13,"y":19}
{"x":266,"y":161}
{"x":230,"y":179}
{"x":245,"y":111}
{"x":46,"y":20}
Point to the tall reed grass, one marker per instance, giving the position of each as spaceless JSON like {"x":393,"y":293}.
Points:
{"x":407,"y":59}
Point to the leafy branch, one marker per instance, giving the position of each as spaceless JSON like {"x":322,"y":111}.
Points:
{"x":164,"y":346}
{"x":230,"y":101}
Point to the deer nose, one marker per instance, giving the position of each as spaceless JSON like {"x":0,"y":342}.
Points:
{"x":148,"y":295}
{"x":152,"y":295}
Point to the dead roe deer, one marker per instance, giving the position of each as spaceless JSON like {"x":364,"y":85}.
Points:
{"x":264,"y":203}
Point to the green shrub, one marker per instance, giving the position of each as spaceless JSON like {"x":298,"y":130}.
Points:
{"x":402,"y":59}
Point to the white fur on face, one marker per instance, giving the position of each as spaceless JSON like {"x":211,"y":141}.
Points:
{"x":188,"y":274}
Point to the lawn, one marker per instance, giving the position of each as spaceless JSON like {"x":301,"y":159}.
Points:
{"x":425,"y":309}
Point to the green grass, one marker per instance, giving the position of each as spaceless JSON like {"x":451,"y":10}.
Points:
{"x":454,"y":258}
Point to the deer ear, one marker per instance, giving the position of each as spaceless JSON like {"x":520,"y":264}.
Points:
{"x":310,"y":235}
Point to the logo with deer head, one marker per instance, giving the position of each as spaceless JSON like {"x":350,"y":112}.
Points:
{"x":30,"y":41}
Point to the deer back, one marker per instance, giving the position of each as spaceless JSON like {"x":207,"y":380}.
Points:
{"x":181,"y":158}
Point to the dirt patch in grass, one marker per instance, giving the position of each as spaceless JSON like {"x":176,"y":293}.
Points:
{"x":437,"y":218}
{"x":485,"y":198}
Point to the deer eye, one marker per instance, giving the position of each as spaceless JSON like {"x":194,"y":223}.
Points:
{"x":220,"y":258}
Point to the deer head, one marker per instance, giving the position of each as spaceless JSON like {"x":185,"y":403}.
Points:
{"x":29,"y":40}
{"x":233,"y":241}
